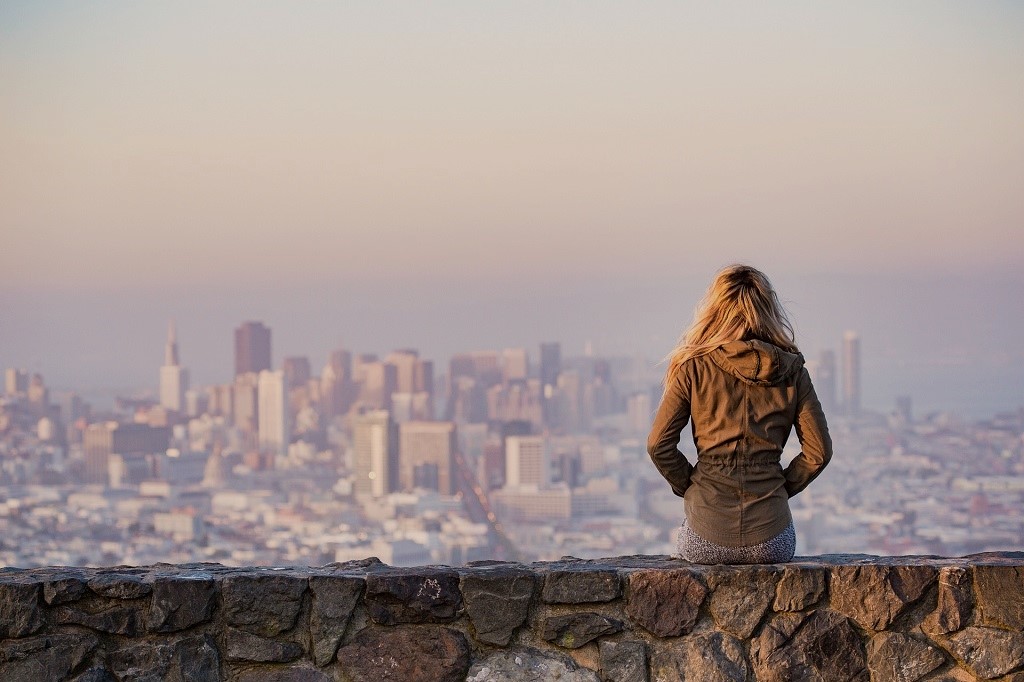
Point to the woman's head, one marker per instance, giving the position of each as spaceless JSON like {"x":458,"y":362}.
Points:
{"x":739,"y":304}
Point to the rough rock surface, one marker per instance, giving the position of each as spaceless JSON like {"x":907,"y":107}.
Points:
{"x":824,"y":646}
{"x":800,"y":586}
{"x":575,"y":586}
{"x":194,"y":659}
{"x":116,"y":620}
{"x":987,"y":652}
{"x":245,"y":646}
{"x":45,"y":657}
{"x":741,"y":597}
{"x":874,"y":596}
{"x":64,"y":590}
{"x":179,"y":603}
{"x":665,"y":603}
{"x":413,"y":596}
{"x":573,"y":630}
{"x":896,"y":657}
{"x":334,"y":599}
{"x":623,"y":661}
{"x":405,"y":654}
{"x":709,"y":657}
{"x":522,"y":665}
{"x":119,"y":586}
{"x":264,"y":604}
{"x":19,"y":610}
{"x":1000,"y":594}
{"x":953,"y":609}
{"x":498,"y":601}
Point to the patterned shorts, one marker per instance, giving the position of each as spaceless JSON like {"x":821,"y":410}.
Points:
{"x":697,"y":550}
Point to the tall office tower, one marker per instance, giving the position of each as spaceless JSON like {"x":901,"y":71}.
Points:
{"x":105,"y":439}
{"x":359,"y":364}
{"x":337,"y":391}
{"x":426,"y":456}
{"x":569,"y":394}
{"x":404,"y":361}
{"x":851,"y":373}
{"x":15,"y":381}
{"x":375,"y":454}
{"x":252,"y":348}
{"x":173,"y":377}
{"x":526,"y":461}
{"x":550,"y":364}
{"x":244,"y":402}
{"x":380,"y":380}
{"x":640,"y":414}
{"x":272,"y":399}
{"x":823,"y":375}
{"x":515,"y":364}
{"x":296,"y":372}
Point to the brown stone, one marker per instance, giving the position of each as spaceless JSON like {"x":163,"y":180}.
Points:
{"x":292,"y":673}
{"x":497,"y":602}
{"x":987,"y":652}
{"x":19,"y":609}
{"x":264,"y":604}
{"x":124,"y":619}
{"x":740,"y":597}
{"x":119,"y":586}
{"x":953,"y":609}
{"x":623,"y":661}
{"x":422,"y":595}
{"x":999,"y":592}
{"x":896,"y":657}
{"x":581,"y":586}
{"x":528,"y":665}
{"x":573,"y":630}
{"x":334,"y":600}
{"x":45,"y":657}
{"x":63,"y":590}
{"x":195,"y":659}
{"x":799,"y":587}
{"x":874,"y":595}
{"x":405,"y":654}
{"x":180,"y":602}
{"x":245,"y":646}
{"x":666,"y":603}
{"x":823,"y":647}
{"x":708,"y":657}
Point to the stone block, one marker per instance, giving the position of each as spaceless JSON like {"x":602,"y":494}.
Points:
{"x":293,"y":673}
{"x":953,"y":609}
{"x":986,"y":652}
{"x":999,"y":591}
{"x":63,"y":590}
{"x":581,"y":586}
{"x":264,"y":604}
{"x":799,"y":587}
{"x":405,"y":654}
{"x":521,"y":664}
{"x":119,"y":586}
{"x":45,"y":657}
{"x":740,"y":597}
{"x":194,"y":659}
{"x":573,"y":630}
{"x":708,"y":657}
{"x":423,"y":595}
{"x":121,"y":619}
{"x":245,"y":646}
{"x":497,"y":602}
{"x":819,"y":646}
{"x":334,"y":600}
{"x":180,"y":602}
{"x":666,"y":603}
{"x":897,"y":657}
{"x":623,"y":661}
{"x":19,"y":609}
{"x":875,"y":595}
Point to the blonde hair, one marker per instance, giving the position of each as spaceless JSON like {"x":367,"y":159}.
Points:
{"x":740,"y":304}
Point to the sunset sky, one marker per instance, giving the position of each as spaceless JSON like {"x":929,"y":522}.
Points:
{"x":585,"y":167}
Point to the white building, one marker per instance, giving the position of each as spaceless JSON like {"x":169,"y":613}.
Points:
{"x":272,"y":400}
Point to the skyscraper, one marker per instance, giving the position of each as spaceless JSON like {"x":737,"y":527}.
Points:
{"x":550,"y":364}
{"x":851,"y":373}
{"x":426,"y":456}
{"x":825,"y":380}
{"x":252,"y":348}
{"x":526,"y":461}
{"x":374,"y":454}
{"x":173,"y":377}
{"x":272,"y":402}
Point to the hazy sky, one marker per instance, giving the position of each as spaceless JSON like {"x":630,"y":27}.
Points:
{"x":313,"y":163}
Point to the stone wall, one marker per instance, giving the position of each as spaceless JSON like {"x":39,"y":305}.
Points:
{"x":624,"y":619}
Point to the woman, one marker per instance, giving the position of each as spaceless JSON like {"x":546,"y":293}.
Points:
{"x":737,"y":374}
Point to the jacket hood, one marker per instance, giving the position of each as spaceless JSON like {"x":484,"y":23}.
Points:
{"x":757,"y":362}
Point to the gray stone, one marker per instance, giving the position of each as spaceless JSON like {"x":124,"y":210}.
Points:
{"x":423,"y":595}
{"x":821,"y":646}
{"x":874,"y":596}
{"x":293,"y":673}
{"x":264,"y":604}
{"x":799,"y":587}
{"x":623,"y":661}
{"x":405,"y":654}
{"x":1000,"y":596}
{"x":45,"y":657}
{"x":498,"y":602}
{"x":245,"y":646}
{"x":581,"y":586}
{"x":125,"y":619}
{"x":19,"y":610}
{"x":987,"y":652}
{"x":896,"y":657}
{"x":193,"y":659}
{"x":95,"y":675}
{"x":63,"y":590}
{"x":708,"y":657}
{"x":573,"y":630}
{"x":740,"y":597}
{"x":180,"y":602}
{"x":334,"y":600}
{"x":665,"y":603}
{"x":955,"y":600}
{"x":119,"y":586}
{"x":528,"y":665}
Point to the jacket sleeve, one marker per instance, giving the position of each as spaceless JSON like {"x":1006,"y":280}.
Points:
{"x":672,"y":416}
{"x":812,"y":430}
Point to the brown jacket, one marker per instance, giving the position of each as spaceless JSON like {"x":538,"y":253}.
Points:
{"x":744,"y":399}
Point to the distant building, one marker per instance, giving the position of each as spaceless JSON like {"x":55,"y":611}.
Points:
{"x":375,"y":454}
{"x":252,"y":348}
{"x":104,"y":439}
{"x":274,"y":431}
{"x":851,"y":373}
{"x":15,"y":381}
{"x":380,"y":381}
{"x":515,"y":364}
{"x":426,"y":456}
{"x":296,"y":372}
{"x":526,"y":461}
{"x":173,"y":377}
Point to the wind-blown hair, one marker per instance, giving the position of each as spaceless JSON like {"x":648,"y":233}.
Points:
{"x":740,"y":304}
